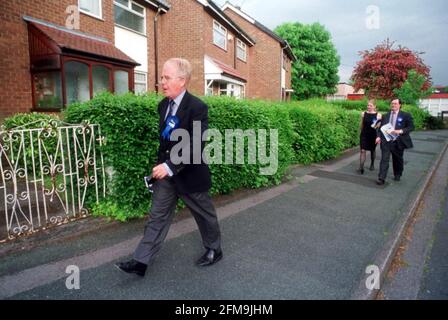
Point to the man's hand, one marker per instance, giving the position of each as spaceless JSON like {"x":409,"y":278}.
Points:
{"x":377,"y":140}
{"x":395,"y":132}
{"x":159,"y":172}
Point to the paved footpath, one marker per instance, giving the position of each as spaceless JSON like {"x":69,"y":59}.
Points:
{"x":309,"y":238}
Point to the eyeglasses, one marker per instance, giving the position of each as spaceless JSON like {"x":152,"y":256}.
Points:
{"x":167,"y":79}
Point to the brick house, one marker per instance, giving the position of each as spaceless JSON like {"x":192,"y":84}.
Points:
{"x":49,"y":59}
{"x":270,"y":67}
{"x":55,"y":52}
{"x":218,"y":49}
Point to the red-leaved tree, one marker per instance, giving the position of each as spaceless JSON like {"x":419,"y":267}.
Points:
{"x":384,"y":69}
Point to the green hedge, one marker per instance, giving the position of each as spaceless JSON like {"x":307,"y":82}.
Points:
{"x":422,"y":119}
{"x":228,"y":113}
{"x":322,"y":131}
{"x":129,"y":124}
{"x":361,"y":105}
{"x":308,"y":131}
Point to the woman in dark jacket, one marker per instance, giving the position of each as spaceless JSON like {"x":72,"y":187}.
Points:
{"x":370,"y":119}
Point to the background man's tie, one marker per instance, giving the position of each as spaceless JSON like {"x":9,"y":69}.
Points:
{"x":392,"y":119}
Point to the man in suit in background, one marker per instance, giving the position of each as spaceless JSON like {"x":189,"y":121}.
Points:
{"x":189,"y":181}
{"x":402,"y":125}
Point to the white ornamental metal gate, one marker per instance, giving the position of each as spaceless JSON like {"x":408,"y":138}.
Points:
{"x":48,"y":175}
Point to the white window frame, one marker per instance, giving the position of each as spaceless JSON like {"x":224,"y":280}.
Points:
{"x":225,"y":91}
{"x":242,"y":46}
{"x":129,"y":8}
{"x":223,"y":31}
{"x":141,"y":82}
{"x":90,"y":13}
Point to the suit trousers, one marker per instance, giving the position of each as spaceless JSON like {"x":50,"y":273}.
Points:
{"x":162,"y":211}
{"x":387,"y":149}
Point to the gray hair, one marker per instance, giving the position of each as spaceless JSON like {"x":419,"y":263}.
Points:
{"x":183,"y":67}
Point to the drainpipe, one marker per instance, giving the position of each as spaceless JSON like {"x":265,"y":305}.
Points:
{"x":281,"y":71}
{"x":156,"y":50}
{"x":234,"y":52}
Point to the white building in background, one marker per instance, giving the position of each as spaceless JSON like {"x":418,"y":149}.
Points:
{"x":435,"y":104}
{"x":343,"y":91}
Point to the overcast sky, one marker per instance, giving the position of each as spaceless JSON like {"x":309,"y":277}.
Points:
{"x":421,"y":26}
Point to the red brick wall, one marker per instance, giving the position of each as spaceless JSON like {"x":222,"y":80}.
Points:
{"x":187,"y":31}
{"x":151,"y":80}
{"x":181,"y":34}
{"x":15,"y":78}
{"x":212,"y":50}
{"x":264,"y":61}
{"x":226,"y":56}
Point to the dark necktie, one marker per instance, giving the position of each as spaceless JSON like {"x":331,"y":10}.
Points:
{"x":171,"y":104}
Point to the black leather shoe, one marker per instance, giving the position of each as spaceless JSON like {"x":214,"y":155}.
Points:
{"x":372,"y":167}
{"x":380,"y":182}
{"x":397,"y":178}
{"x":210,"y":257}
{"x":132,"y":266}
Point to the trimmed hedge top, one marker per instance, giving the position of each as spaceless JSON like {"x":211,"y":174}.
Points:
{"x":308,"y":131}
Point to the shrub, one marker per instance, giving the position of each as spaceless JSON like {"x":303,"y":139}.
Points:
{"x":308,"y":131}
{"x":361,"y":105}
{"x":129,"y":124}
{"x":434,"y":123}
{"x":322,"y":131}
{"x":419,"y":115}
{"x":228,"y":113}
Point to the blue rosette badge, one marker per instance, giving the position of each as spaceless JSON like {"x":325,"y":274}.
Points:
{"x":172,"y":122}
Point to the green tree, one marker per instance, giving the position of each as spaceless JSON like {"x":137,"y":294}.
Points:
{"x":413,"y":88}
{"x":315,"y":72}
{"x":385,"y":68}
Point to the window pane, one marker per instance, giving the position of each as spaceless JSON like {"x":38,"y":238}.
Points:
{"x":92,"y":6}
{"x":140,"y":77}
{"x":139,"y":88}
{"x":241,"y":50}
{"x":47,"y":90}
{"x":128,"y":19}
{"x":76,"y":81}
{"x":140,"y":85}
{"x":219,"y":39}
{"x":137,"y":8}
{"x":121,"y":82}
{"x":123,"y":2}
{"x":219,"y":35}
{"x":240,"y":53}
{"x":100,"y":78}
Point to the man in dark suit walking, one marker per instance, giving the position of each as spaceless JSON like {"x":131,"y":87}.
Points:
{"x":190,"y":181}
{"x":401,"y":125}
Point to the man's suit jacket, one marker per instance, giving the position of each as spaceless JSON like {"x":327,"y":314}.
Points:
{"x":188,"y":178}
{"x":404,"y":122}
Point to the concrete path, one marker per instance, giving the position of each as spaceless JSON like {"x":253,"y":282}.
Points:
{"x":309,"y":238}
{"x":421,"y":265}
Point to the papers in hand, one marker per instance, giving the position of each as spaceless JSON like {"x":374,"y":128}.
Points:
{"x":386,"y":130}
{"x":375,"y":123}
